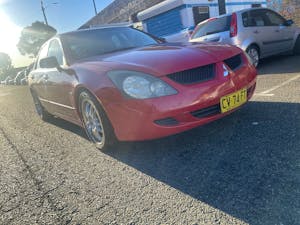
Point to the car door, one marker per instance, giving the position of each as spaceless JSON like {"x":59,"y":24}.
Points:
{"x":36,"y":76}
{"x":59,"y":85}
{"x":262,"y":33}
{"x":283,"y":33}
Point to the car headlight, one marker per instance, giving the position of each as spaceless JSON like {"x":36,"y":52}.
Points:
{"x":140,"y":85}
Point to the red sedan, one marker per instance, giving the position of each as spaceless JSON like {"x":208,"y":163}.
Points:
{"x":119,"y":83}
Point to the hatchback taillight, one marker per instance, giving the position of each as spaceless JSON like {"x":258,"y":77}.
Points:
{"x":233,"y":25}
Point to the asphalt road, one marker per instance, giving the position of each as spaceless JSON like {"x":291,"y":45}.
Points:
{"x":242,"y":169}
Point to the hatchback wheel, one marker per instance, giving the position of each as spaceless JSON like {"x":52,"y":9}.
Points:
{"x":43,"y":114}
{"x":253,"y":52}
{"x":95,"y":122}
{"x":297,"y":46}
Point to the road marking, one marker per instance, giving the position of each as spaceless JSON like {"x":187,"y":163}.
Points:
{"x":4,"y":94}
{"x":278,"y":86}
{"x":265,"y":95}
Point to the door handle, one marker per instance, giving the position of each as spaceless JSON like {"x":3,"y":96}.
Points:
{"x":277,"y":30}
{"x":256,"y":32}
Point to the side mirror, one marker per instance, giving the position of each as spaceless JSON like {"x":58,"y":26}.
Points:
{"x":288,"y":22}
{"x":49,"y":62}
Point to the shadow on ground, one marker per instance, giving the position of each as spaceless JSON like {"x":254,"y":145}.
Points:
{"x":67,"y":126}
{"x":279,"y":65}
{"x":247,"y":164}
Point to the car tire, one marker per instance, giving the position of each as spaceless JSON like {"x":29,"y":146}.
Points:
{"x":297,"y":46}
{"x":95,"y":122}
{"x":253,"y":53}
{"x":40,"y":110}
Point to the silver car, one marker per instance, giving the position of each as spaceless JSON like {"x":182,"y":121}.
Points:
{"x":260,"y":32}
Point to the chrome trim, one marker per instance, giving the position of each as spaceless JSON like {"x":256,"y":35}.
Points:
{"x":55,"y":103}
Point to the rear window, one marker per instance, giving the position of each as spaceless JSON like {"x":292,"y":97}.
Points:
{"x":212,"y":26}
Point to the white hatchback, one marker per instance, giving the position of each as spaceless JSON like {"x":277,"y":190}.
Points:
{"x":260,"y":32}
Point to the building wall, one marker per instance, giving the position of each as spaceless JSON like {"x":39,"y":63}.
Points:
{"x":290,"y":9}
{"x":120,"y":11}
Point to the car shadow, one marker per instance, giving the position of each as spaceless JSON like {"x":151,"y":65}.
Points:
{"x":63,"y":124}
{"x":279,"y":65}
{"x":246,"y":164}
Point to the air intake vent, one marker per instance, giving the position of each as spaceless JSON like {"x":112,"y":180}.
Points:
{"x":196,"y":75}
{"x":234,"y":62}
{"x":210,"y":111}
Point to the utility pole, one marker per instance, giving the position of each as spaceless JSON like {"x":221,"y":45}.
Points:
{"x":222,"y":7}
{"x":43,"y":10}
{"x":95,"y":8}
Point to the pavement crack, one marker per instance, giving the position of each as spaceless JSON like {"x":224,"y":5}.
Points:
{"x":37,"y":183}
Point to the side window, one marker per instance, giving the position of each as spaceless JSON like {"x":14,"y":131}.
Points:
{"x":274,"y":19}
{"x":42,"y":54}
{"x":246,"y":19}
{"x":257,"y":18}
{"x":55,"y":50}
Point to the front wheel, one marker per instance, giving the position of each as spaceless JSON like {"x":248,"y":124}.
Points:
{"x":95,"y":122}
{"x":297,"y":46}
{"x":253,"y":52}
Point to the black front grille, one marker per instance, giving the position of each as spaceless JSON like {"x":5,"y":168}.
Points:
{"x":234,"y":62}
{"x":196,"y":75}
{"x":210,"y":111}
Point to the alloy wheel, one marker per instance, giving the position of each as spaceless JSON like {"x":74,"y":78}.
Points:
{"x":92,"y":121}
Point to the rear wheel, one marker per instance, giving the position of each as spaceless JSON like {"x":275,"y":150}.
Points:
{"x":253,"y":52}
{"x":43,"y":114}
{"x":297,"y":46}
{"x":95,"y":122}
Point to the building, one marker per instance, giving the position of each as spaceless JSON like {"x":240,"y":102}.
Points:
{"x":127,"y":10}
{"x":172,"y":19}
{"x":290,"y":9}
{"x":120,"y":11}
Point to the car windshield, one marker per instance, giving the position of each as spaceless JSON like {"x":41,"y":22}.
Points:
{"x":94,"y":42}
{"x":212,"y":26}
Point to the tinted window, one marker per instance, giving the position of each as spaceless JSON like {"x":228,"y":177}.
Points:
{"x":56,"y":51}
{"x":274,"y":19}
{"x":89,"y":43}
{"x":255,"y":18}
{"x":212,"y":26}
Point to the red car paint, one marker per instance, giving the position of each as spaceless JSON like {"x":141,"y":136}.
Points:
{"x":133,"y":119}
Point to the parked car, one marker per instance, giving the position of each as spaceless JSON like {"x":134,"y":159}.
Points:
{"x":20,"y":75}
{"x":260,"y":32}
{"x":6,"y":80}
{"x":119,"y":83}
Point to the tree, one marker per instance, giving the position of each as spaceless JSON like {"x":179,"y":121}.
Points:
{"x":33,"y":37}
{"x":5,"y":65}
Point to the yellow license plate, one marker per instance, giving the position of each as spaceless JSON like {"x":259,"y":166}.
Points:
{"x":233,"y":100}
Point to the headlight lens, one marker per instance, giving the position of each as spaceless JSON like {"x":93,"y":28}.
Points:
{"x":140,"y":85}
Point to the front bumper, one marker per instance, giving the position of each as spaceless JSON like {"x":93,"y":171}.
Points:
{"x":193,"y":106}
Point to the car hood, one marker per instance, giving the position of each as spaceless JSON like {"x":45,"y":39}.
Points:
{"x":163,"y":59}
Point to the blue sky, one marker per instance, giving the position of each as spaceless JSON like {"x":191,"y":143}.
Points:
{"x":66,"y":15}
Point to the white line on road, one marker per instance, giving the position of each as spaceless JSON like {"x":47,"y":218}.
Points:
{"x":266,"y":95}
{"x":4,"y":94}
{"x":278,"y":86}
